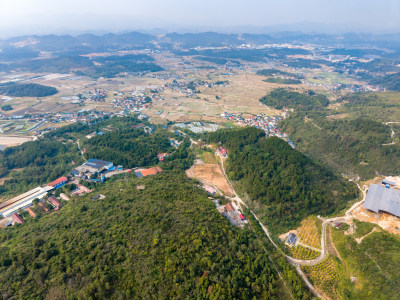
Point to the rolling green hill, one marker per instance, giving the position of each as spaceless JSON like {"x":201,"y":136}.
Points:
{"x":27,"y":90}
{"x":281,"y":184}
{"x":352,"y":146}
{"x":161,"y":242}
{"x":167,"y":241}
{"x":280,"y":98}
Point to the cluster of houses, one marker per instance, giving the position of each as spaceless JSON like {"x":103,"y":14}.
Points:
{"x":174,"y":142}
{"x":45,"y":201}
{"x":136,"y":101}
{"x":231,"y":213}
{"x":11,"y":208}
{"x":267,"y":123}
{"x":34,"y":123}
{"x":222,"y":152}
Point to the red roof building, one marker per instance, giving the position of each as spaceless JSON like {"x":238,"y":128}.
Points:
{"x":31,"y":212}
{"x":54,"y":201}
{"x":64,"y":197}
{"x":83,"y":188}
{"x":42,"y":206}
{"x":147,"y":172}
{"x":59,"y":182}
{"x":18,"y":219}
{"x":229,"y":207}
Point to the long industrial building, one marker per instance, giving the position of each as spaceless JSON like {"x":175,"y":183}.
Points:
{"x":383,"y":199}
{"x":22,"y":201}
{"x":92,"y":166}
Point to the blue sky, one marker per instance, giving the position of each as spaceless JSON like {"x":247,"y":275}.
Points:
{"x":116,"y":15}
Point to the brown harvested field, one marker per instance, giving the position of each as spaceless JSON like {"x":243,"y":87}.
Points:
{"x":10,"y":141}
{"x":387,"y":221}
{"x":211,"y":174}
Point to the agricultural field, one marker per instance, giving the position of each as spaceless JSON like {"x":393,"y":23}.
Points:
{"x":208,"y":157}
{"x":310,"y":232}
{"x":327,"y":78}
{"x":328,"y":277}
{"x":301,"y":252}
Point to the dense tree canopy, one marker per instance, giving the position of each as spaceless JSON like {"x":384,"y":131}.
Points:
{"x":164,"y":242}
{"x":129,"y":147}
{"x":355,"y":147}
{"x":282,"y":184}
{"x":390,"y":82}
{"x":27,"y":90}
{"x":42,"y":161}
{"x":280,"y":98}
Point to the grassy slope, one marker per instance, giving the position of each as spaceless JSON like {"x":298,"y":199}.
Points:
{"x":375,"y":263}
{"x":349,"y":146}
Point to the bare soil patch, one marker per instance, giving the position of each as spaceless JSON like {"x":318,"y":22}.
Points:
{"x":386,"y":221}
{"x":10,"y":141}
{"x":211,"y":174}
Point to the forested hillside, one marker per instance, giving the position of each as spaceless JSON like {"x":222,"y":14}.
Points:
{"x":33,"y":163}
{"x":280,"y":98}
{"x":283,"y":185}
{"x":27,"y":90}
{"x":164,"y":242}
{"x":390,"y":82}
{"x":129,"y":147}
{"x":355,"y":147}
{"x":109,"y":67}
{"x":375,"y":263}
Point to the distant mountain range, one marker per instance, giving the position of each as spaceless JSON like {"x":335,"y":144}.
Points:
{"x":85,"y":43}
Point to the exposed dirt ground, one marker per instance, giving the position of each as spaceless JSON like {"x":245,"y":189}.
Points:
{"x":211,"y":174}
{"x":13,"y":140}
{"x":388,"y":222}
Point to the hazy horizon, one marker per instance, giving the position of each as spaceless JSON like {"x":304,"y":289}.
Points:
{"x":20,"y":17}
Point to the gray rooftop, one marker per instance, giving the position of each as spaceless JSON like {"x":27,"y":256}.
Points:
{"x":380,"y":198}
{"x":291,"y":239}
{"x":384,"y":181}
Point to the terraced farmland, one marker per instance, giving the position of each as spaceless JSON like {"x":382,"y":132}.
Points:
{"x":310,"y":232}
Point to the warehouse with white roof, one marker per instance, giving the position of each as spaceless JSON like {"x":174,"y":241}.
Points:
{"x":22,"y":201}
